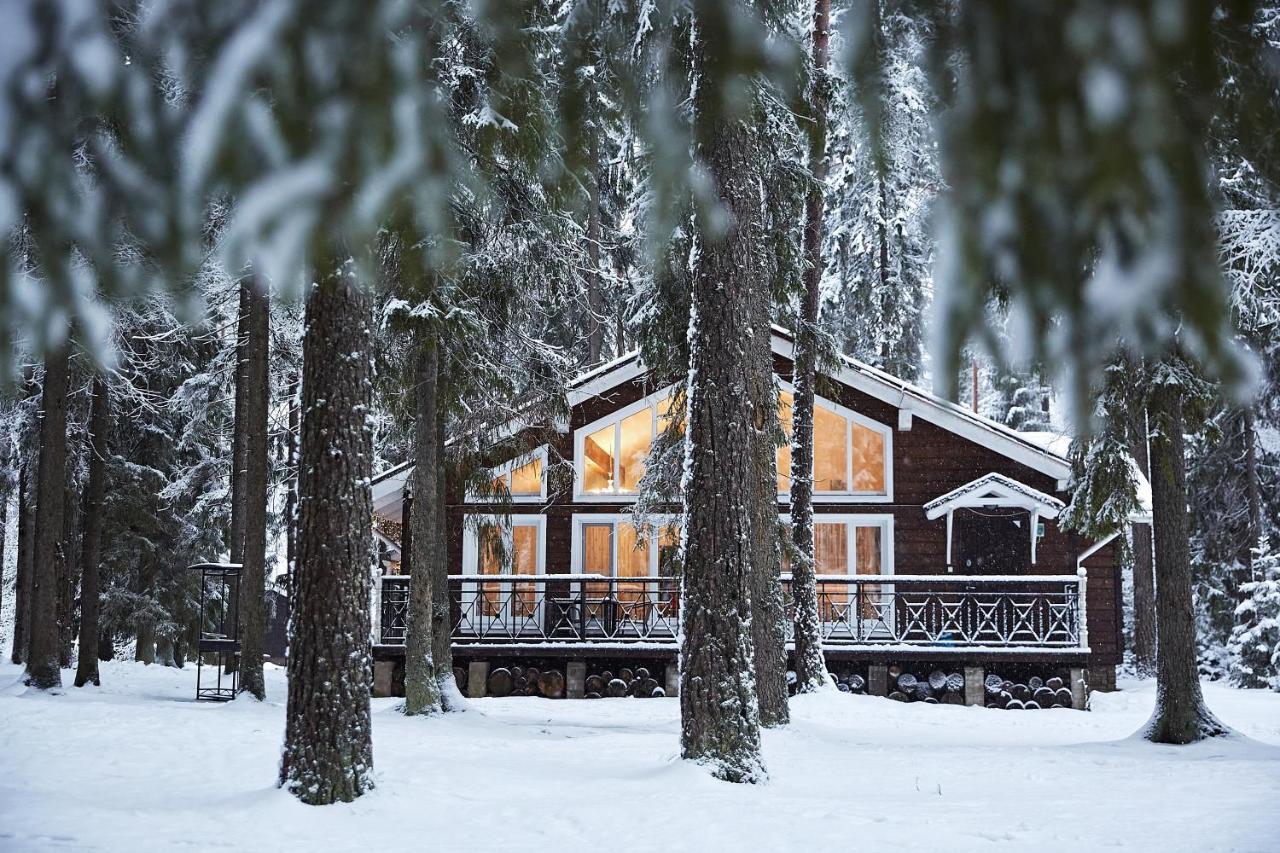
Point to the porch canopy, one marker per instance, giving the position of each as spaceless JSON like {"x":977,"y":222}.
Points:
{"x":994,"y":490}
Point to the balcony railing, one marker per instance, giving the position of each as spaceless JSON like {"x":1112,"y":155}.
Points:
{"x":961,"y":612}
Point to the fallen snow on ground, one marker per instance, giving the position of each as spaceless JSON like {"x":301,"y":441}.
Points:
{"x":138,"y":765}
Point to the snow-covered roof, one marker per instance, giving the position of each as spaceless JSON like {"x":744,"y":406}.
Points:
{"x":1050,"y":460}
{"x":997,"y":489}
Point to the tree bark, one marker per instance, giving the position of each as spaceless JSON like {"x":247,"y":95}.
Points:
{"x":719,"y":711}
{"x":768,"y":613}
{"x":43,"y":671}
{"x":235,"y":541}
{"x":235,"y":536}
{"x":1180,"y":715}
{"x":1144,"y":587}
{"x":441,"y":619}
{"x":91,"y":544}
{"x":811,"y":666}
{"x":23,"y":569}
{"x":68,"y":581}
{"x":328,"y":750}
{"x":257,"y":465}
{"x":291,"y":492}
{"x":421,"y":689}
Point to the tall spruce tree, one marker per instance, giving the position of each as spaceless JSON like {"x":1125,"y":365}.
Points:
{"x":91,"y":544}
{"x":811,"y":667}
{"x":43,"y":669}
{"x":328,"y":747}
{"x":255,"y":478}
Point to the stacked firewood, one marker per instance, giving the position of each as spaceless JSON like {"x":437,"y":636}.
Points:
{"x":526,"y":681}
{"x":1034,"y":694}
{"x":850,"y":682}
{"x":932,"y":688}
{"x":636,"y":682}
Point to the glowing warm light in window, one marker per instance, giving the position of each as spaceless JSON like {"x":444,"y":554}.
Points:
{"x":526,"y":481}
{"x":637,"y":438}
{"x":507,"y":550}
{"x":597,"y":460}
{"x":842,"y":450}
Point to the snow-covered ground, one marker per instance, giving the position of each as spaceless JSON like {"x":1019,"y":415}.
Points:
{"x":137,"y":765}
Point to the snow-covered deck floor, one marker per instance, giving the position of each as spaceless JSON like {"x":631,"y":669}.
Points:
{"x":138,"y":765}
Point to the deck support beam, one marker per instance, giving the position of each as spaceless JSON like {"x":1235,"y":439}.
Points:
{"x":575,"y":679}
{"x":477,"y":679}
{"x":974,"y":690}
{"x":672,"y":678}
{"x":1079,"y":689}
{"x":878,"y":680}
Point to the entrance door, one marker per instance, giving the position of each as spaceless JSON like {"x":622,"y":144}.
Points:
{"x":994,"y":542}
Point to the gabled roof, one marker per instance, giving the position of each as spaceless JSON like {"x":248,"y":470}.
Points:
{"x":875,"y":383}
{"x":907,"y":398}
{"x":998,"y":489}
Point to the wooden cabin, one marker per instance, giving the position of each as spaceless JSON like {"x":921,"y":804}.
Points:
{"x":936,"y":537}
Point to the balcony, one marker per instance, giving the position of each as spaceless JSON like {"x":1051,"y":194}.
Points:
{"x":959,"y":614}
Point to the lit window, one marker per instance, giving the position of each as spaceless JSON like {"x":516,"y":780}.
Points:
{"x":613,"y":457}
{"x":848,"y":458}
{"x":637,"y":437}
{"x":598,"y":460}
{"x":868,"y":460}
{"x":841,"y":543}
{"x":617,"y":549}
{"x":507,"y":549}
{"x":830,"y":451}
{"x":526,"y":481}
{"x":520,"y":480}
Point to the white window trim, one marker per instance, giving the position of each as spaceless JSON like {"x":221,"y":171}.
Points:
{"x":583,"y":518}
{"x":886,"y":433}
{"x":852,"y":520}
{"x":511,"y":465}
{"x":470,"y":537}
{"x":615,"y":418}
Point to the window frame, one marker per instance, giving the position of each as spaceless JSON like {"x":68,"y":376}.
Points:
{"x":615,"y":418}
{"x":471,"y":539}
{"x":852,"y":417}
{"x":581,"y":519}
{"x":853,"y":520}
{"x":472,"y":587}
{"x":506,"y":469}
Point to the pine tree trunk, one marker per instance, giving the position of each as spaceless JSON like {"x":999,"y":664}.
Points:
{"x":811,"y":667}
{"x":1144,"y":587}
{"x":1253,"y":492}
{"x":257,"y":467}
{"x":235,"y":536}
{"x":68,"y":579}
{"x":235,"y":541}
{"x":291,"y":493}
{"x":23,"y":568}
{"x":719,"y":712}
{"x":91,"y":545}
{"x":6,"y":492}
{"x":1180,"y":715}
{"x":441,"y":618}
{"x":145,"y":648}
{"x":328,"y":749}
{"x":421,"y":688}
{"x":768,"y":613}
{"x":43,"y":671}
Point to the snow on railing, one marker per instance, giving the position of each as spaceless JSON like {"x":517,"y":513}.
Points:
{"x":961,"y":612}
